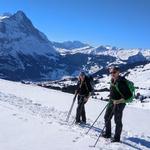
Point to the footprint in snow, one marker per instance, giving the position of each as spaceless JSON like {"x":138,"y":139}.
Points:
{"x":36,"y":104}
{"x":50,"y":122}
{"x":14,"y":114}
{"x":76,"y":139}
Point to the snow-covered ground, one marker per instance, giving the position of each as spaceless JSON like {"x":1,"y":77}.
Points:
{"x":33,"y":118}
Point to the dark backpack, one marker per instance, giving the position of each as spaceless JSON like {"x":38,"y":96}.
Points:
{"x":91,"y":81}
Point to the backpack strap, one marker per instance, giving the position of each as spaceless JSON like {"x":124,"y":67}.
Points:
{"x":86,"y":86}
{"x":116,"y":86}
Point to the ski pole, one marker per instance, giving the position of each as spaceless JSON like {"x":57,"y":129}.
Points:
{"x":69,"y":113}
{"x":97,"y":118}
{"x":105,"y":125}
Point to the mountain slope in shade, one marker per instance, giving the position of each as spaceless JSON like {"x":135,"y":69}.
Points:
{"x":25,"y":52}
{"x":17,"y":34}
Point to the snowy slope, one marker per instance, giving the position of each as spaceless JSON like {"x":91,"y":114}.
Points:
{"x":32,"y":118}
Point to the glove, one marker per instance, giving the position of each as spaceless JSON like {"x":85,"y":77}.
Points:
{"x":85,"y":100}
{"x":116,"y":102}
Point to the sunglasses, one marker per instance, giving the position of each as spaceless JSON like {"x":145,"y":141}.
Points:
{"x":113,"y":72}
{"x":81,"y":76}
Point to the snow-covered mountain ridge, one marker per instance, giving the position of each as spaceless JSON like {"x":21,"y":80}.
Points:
{"x":27,"y":54}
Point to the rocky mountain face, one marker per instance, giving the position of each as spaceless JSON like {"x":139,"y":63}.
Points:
{"x":27,"y":54}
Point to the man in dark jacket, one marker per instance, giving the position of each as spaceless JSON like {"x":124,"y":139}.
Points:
{"x":84,"y":90}
{"x":116,"y":104}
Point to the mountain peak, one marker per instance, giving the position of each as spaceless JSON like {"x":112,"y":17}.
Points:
{"x":20,"y":15}
{"x":70,"y":45}
{"x":23,"y":36}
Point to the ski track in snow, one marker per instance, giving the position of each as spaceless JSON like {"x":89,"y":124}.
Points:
{"x":50,"y":115}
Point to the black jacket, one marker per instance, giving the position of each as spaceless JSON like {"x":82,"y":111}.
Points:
{"x":123,"y":88}
{"x":84,"y":88}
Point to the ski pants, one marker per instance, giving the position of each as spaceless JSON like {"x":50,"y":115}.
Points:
{"x":80,"y":113}
{"x":117,"y":113}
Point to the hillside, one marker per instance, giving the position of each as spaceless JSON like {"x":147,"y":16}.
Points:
{"x":34,"y":118}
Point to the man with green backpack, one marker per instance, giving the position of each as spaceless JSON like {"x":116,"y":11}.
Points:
{"x":121,"y":92}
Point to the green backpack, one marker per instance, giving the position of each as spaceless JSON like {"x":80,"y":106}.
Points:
{"x":131,"y":87}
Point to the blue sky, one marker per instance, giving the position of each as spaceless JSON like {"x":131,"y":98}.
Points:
{"x":121,"y":23}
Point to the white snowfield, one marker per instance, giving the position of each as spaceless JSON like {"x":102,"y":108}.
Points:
{"x":33,"y":118}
